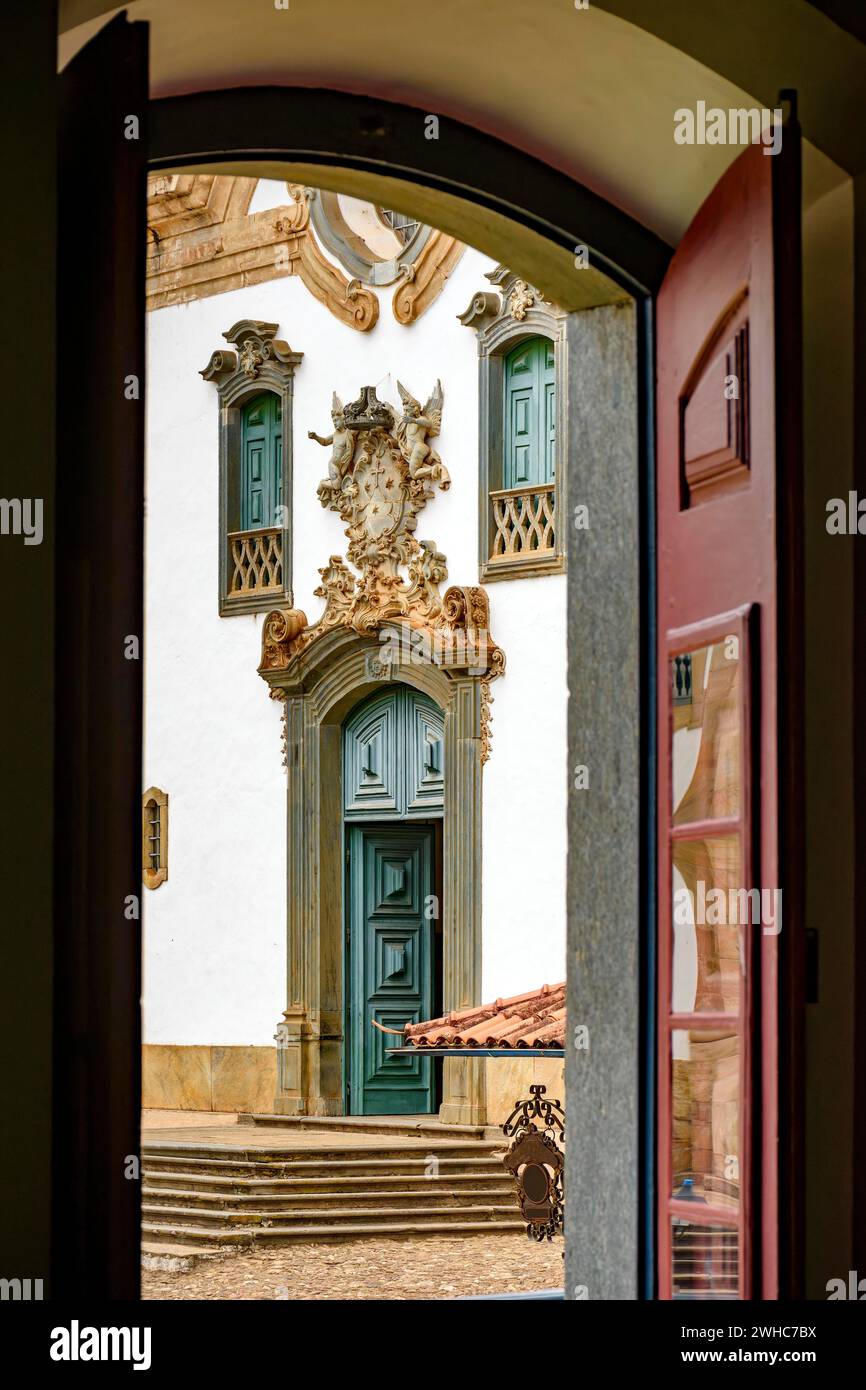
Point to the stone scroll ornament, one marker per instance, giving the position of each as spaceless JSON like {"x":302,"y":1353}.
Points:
{"x":536,"y":1162}
{"x":382,"y":471}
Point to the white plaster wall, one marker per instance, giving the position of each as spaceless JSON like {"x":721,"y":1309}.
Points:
{"x":525,"y":791}
{"x":215,"y":931}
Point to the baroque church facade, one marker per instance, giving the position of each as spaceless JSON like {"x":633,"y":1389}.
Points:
{"x":355,"y":751}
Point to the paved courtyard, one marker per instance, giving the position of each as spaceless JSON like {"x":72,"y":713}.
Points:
{"x":432,"y":1267}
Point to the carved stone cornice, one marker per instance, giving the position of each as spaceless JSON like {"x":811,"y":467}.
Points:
{"x":510,"y":312}
{"x":426,"y":277}
{"x":518,"y":296}
{"x":202,"y":241}
{"x":178,"y":204}
{"x":260,"y":357}
{"x":484,"y":307}
{"x":348,"y":300}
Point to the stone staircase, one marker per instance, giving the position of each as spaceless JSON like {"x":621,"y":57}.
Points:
{"x":204,"y":1199}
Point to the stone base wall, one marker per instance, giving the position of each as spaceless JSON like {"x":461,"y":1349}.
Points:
{"x":509,"y":1080}
{"x":175,"y":1077}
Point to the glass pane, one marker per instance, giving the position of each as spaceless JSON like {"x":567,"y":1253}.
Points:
{"x":706,"y":732}
{"x":711,"y":909}
{"x":705,"y":1118}
{"x":706,"y":1260}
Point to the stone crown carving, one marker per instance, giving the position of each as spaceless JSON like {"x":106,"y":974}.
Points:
{"x":382,"y":472}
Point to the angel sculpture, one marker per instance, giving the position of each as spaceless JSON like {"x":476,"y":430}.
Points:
{"x":412,"y":430}
{"x":342,"y":443}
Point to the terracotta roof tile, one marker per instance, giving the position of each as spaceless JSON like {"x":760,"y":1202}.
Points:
{"x":535,"y":1019}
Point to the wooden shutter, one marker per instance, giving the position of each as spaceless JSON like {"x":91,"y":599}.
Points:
{"x":530,"y":414}
{"x":257,"y":447}
{"x":276,"y":496}
{"x":521,"y":416}
{"x":548,"y":410}
{"x":728,"y":481}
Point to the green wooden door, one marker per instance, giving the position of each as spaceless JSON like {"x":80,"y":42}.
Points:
{"x":390,"y":964}
{"x":530,"y":414}
{"x":261,"y":461}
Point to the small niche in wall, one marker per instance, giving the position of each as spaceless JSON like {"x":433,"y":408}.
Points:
{"x":154,"y":837}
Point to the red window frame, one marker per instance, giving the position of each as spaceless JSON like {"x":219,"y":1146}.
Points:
{"x":740,"y":622}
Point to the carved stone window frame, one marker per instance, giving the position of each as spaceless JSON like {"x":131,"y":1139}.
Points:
{"x":261,"y":363}
{"x":154,"y":877}
{"x":502,"y":319}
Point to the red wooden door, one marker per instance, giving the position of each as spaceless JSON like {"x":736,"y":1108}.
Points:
{"x":727,"y":480}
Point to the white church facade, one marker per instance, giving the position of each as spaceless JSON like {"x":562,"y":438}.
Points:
{"x":355,"y":683}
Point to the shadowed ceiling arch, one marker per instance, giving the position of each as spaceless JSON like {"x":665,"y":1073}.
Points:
{"x":489,"y":194}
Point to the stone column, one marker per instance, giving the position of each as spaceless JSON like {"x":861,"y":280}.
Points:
{"x":291,"y":1089}
{"x":603,"y":1164}
{"x":309,"y":1077}
{"x":464,"y":1085}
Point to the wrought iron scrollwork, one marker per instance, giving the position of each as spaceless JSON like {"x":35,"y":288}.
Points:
{"x":536,"y":1161}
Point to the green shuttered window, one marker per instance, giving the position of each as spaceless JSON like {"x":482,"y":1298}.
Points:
{"x":530,"y":414}
{"x":261,"y":461}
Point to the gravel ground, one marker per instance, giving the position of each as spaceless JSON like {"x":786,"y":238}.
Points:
{"x":430,"y":1267}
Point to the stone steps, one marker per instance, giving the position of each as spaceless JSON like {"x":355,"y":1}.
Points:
{"x":269,"y":1188}
{"x":254,"y":1222}
{"x":272,"y":1205}
{"x":206,"y":1200}
{"x":296,"y":1163}
{"x":410,"y":1126}
{"x":190,"y":1236}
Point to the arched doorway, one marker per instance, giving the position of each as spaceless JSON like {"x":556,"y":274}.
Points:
{"x":393,"y":809}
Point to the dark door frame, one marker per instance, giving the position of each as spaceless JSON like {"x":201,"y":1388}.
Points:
{"x":333,"y":129}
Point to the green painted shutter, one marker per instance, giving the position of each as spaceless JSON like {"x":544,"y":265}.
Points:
{"x":530,"y":414}
{"x":277,"y":456}
{"x":548,"y":406}
{"x":262,"y":461}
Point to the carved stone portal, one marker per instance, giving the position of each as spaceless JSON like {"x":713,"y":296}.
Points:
{"x":386,"y":619}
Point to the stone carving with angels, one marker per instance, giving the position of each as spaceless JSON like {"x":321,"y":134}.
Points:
{"x":342,"y":442}
{"x":412,"y":431}
{"x":381,"y":474}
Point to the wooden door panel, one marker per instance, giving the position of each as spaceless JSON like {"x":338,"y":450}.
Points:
{"x":425,"y":753}
{"x":98,"y":734}
{"x":393,"y":757}
{"x":390,"y":965}
{"x":370,"y":760}
{"x":720,"y":313}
